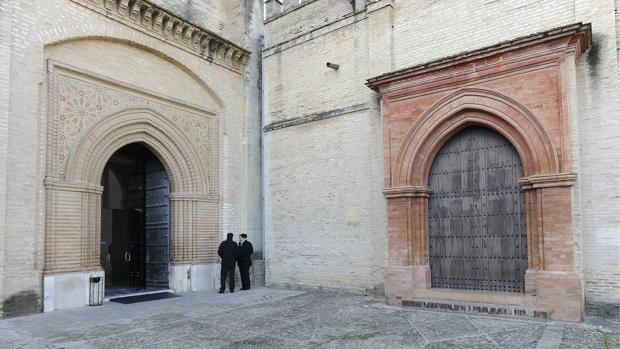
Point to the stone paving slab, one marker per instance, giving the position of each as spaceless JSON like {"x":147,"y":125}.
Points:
{"x":277,"y":318}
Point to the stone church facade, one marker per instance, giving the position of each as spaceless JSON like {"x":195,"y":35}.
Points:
{"x":435,"y":153}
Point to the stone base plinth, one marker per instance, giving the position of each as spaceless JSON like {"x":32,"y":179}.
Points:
{"x":402,"y":281}
{"x":560,"y":292}
{"x":197,"y":277}
{"x":205,"y":277}
{"x":70,"y":290}
{"x":548,"y":294}
{"x":257,"y":273}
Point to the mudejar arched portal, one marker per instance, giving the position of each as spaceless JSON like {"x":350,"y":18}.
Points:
{"x":73,"y":241}
{"x":520,"y":91}
{"x":439,"y":239}
{"x":476,"y":214}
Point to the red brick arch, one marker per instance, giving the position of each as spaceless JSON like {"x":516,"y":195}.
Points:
{"x":473,"y":107}
{"x":521,"y":90}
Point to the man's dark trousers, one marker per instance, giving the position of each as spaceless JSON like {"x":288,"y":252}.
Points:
{"x":228,"y":270}
{"x":245,"y":261}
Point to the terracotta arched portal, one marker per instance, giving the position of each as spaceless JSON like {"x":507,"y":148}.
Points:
{"x":519,"y":91}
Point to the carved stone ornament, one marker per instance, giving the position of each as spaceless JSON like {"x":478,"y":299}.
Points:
{"x":147,"y":17}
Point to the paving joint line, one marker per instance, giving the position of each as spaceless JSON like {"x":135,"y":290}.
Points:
{"x":552,"y":337}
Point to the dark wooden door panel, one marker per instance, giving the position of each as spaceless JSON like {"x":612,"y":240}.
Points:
{"x":477,"y":237}
{"x":157,"y":224}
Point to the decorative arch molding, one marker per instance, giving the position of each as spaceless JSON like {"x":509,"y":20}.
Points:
{"x":187,"y":172}
{"x":74,"y":202}
{"x":523,"y":90}
{"x":470,"y":106}
{"x":89,"y":119}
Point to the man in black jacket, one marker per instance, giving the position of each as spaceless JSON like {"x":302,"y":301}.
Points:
{"x":245,"y":261}
{"x":229,"y":252}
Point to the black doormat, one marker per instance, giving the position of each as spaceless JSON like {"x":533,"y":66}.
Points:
{"x":144,"y":298}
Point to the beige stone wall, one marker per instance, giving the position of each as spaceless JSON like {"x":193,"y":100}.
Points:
{"x":325,"y":214}
{"x":108,"y":50}
{"x":298,"y":44}
{"x":5,"y":61}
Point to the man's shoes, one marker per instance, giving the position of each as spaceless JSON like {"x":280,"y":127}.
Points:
{"x":231,"y":291}
{"x":221,"y":291}
{"x":245,"y":288}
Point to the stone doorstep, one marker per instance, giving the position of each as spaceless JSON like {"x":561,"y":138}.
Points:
{"x":475,"y":296}
{"x":138,"y":293}
{"x":520,"y":311}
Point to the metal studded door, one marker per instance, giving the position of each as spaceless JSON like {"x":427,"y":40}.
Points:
{"x":477,"y":235}
{"x":157,"y":223}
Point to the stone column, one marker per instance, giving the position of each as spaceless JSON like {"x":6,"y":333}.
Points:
{"x":408,"y":267}
{"x":551,"y":274}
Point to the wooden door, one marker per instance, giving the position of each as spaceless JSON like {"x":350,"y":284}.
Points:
{"x":157,"y":224}
{"x":124,"y":249}
{"x":477,"y":235}
{"x":135,"y":232}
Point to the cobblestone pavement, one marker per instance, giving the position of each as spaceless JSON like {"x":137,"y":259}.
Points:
{"x":276,"y":318}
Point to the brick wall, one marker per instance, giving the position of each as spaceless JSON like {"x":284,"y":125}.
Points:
{"x":37,"y":24}
{"x":299,"y":42}
{"x":5,"y":61}
{"x":325,"y":214}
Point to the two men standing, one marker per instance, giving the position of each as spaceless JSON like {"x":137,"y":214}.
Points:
{"x":231,"y":252}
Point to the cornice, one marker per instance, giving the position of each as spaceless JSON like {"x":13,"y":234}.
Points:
{"x":56,"y":184}
{"x":548,"y":181}
{"x":407,"y":192}
{"x":578,"y":38}
{"x":163,"y":25}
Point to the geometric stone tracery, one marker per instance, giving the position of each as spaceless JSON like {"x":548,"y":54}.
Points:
{"x":79,"y":102}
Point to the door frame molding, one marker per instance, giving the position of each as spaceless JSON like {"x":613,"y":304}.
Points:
{"x":521,"y":89}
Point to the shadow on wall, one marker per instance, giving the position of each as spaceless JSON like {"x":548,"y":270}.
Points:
{"x":23,"y":303}
{"x":593,"y":57}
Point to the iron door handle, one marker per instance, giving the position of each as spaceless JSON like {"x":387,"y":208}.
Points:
{"x":127,"y":257}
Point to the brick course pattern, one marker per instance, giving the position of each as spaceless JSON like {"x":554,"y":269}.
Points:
{"x":123,"y":60}
{"x":390,"y":35}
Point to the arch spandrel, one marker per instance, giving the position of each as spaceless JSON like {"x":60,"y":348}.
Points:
{"x":80,"y":102}
{"x":473,"y":107}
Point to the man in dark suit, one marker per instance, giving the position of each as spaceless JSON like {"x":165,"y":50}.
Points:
{"x":245,"y":260}
{"x":228,"y":252}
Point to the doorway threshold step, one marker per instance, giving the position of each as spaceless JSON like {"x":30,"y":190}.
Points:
{"x":513,"y":310}
{"x":144,"y":297}
{"x":138,"y":293}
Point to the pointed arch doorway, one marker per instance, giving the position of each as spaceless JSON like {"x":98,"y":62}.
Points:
{"x":135,"y":222}
{"x":73,"y":257}
{"x":476,"y":214}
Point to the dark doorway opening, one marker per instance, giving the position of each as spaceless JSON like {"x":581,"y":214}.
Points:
{"x":135,"y":222}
